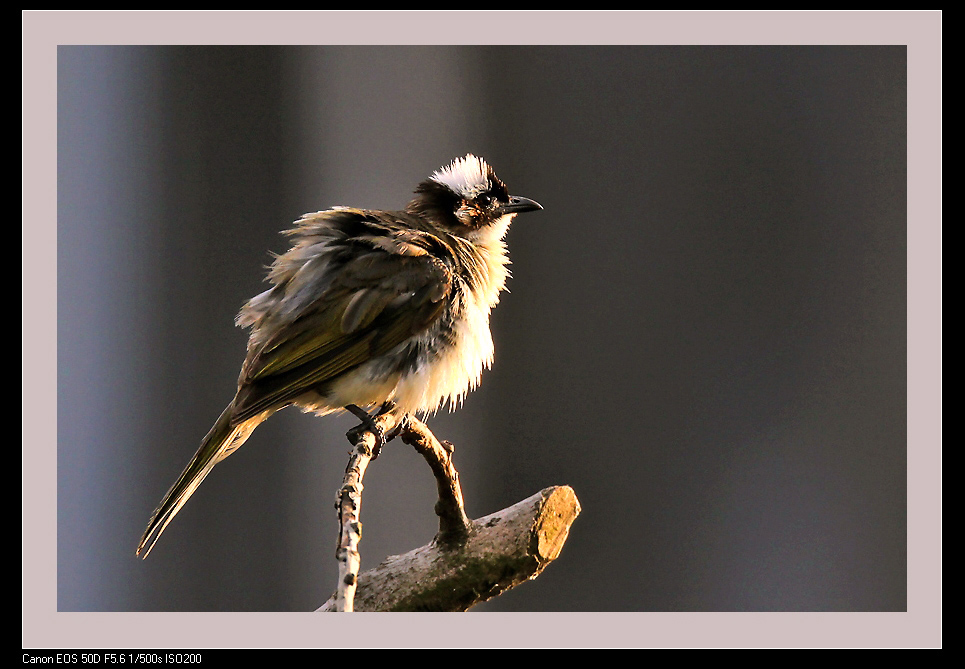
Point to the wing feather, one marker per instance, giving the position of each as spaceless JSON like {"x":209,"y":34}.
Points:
{"x":380,"y":285}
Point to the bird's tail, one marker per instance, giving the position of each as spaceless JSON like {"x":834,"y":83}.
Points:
{"x":223,"y":439}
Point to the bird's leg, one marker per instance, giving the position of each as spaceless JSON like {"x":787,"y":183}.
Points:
{"x":368,"y":423}
{"x":371,"y":423}
{"x":400,"y":424}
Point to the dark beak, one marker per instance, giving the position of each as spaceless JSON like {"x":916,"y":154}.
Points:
{"x":518,"y":205}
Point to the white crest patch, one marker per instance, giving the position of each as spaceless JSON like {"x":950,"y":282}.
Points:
{"x":467,"y":176}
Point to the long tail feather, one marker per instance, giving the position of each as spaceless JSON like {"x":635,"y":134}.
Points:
{"x":221,"y":440}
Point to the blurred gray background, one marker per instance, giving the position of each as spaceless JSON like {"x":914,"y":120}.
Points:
{"x":705,"y":335}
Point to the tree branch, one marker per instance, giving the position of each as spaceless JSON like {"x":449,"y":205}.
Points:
{"x":349,"y":502}
{"x":467,"y":562}
{"x":503,"y":550}
{"x":454,"y":524}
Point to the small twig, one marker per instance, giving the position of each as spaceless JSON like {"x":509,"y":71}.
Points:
{"x":349,"y":501}
{"x":454,"y":525}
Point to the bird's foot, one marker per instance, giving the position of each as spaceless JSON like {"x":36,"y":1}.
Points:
{"x":371,"y":424}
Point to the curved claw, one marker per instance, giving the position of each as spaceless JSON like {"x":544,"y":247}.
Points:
{"x":371,"y":423}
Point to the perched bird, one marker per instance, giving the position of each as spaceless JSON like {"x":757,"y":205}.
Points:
{"x":369,"y":309}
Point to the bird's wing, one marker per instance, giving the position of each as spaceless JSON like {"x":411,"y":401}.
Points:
{"x":381,"y":285}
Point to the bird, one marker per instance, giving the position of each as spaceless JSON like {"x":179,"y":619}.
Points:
{"x":369,"y":310}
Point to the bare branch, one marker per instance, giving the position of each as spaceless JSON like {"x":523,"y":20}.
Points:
{"x":349,"y":502}
{"x":454,"y":524}
{"x":467,"y":562}
{"x":503,"y":550}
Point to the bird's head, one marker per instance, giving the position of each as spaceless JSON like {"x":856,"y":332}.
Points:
{"x":467,"y":196}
